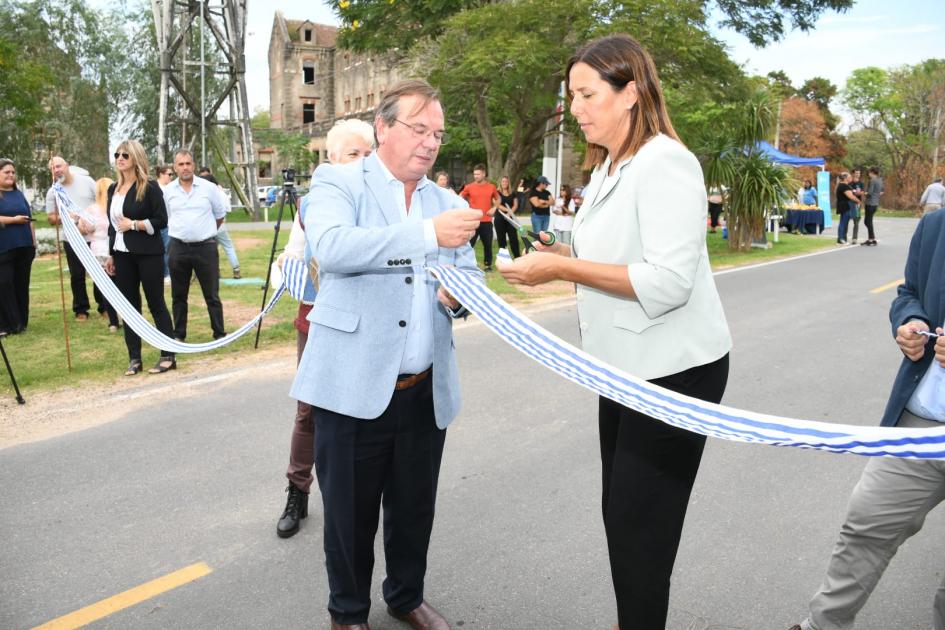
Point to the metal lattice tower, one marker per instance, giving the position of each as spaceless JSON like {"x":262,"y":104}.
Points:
{"x":202,"y":63}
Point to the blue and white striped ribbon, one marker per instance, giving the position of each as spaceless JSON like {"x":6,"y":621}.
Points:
{"x":129,"y":314}
{"x":295,"y":277}
{"x":675,"y":409}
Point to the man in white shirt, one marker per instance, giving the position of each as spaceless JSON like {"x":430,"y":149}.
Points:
{"x":934,"y":196}
{"x":194,"y":212}
{"x":81,"y":189}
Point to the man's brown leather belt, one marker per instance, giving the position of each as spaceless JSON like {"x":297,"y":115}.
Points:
{"x":409,"y":380}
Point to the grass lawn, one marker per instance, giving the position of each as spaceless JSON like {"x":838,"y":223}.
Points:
{"x":39,"y":357}
{"x":898,"y":214}
{"x":788,"y":245}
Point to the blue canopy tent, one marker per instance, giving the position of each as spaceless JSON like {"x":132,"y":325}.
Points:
{"x":781,"y":157}
{"x":823,"y":177}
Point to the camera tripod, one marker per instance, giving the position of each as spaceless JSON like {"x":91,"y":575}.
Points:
{"x":287,"y":198}
{"x":6,"y":361}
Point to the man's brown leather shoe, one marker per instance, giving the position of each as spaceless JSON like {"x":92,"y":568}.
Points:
{"x":794,"y":627}
{"x":423,"y":617}
{"x":354,"y":626}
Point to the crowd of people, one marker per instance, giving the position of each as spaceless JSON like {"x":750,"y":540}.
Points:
{"x":852,"y":196}
{"x":145,"y":232}
{"x":499,"y":205}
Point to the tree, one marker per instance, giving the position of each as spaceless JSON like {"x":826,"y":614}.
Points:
{"x":755,"y":184}
{"x":907,"y":106}
{"x":291,"y":149}
{"x":382,"y":25}
{"x":136,"y":113}
{"x":805,"y":132}
{"x":498,"y":66}
{"x":780,"y":83}
{"x":85,"y":57}
{"x":23,"y":85}
{"x":385,"y":25}
{"x":763,"y":21}
{"x":820,"y":91}
{"x":866,"y":148}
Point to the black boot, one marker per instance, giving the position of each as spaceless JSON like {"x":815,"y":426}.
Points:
{"x":296,"y":508}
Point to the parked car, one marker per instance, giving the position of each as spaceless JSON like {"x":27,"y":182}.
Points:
{"x":262,"y":193}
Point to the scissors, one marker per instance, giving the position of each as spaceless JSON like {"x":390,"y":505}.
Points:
{"x":549,"y":236}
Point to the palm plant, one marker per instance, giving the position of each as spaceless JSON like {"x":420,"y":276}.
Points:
{"x":755,"y":185}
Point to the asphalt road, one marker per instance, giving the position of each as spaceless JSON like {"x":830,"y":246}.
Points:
{"x":518,"y":541}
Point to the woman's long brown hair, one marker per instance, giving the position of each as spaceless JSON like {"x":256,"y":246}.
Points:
{"x":620,"y":59}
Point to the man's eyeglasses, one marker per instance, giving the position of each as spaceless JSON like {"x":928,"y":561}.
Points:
{"x":124,"y":156}
{"x":422,"y":131}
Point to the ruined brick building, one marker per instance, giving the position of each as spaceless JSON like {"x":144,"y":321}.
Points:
{"x":312,"y":83}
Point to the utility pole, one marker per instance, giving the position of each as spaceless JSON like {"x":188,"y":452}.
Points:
{"x":199,"y":112}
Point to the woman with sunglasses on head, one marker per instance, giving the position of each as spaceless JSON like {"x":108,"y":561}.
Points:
{"x":647,"y":304}
{"x":136,"y":214}
{"x":17,"y":250}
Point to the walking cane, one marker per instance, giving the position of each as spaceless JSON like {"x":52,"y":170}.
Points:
{"x":6,"y":361}
{"x":62,"y":293}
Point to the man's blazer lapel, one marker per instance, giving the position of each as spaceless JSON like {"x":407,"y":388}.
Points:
{"x":374,"y":176}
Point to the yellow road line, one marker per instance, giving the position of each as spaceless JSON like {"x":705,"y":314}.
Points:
{"x":136,"y":595}
{"x":890,"y":285}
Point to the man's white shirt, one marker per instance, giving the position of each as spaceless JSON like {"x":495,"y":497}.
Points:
{"x":418,"y":353}
{"x":192,"y":216}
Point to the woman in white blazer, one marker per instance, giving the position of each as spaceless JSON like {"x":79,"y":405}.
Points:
{"x":647,"y":304}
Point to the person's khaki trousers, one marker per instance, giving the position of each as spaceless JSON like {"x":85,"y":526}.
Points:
{"x":888,"y":505}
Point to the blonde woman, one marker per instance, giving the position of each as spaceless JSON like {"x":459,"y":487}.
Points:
{"x":136,"y":216}
{"x":97,"y":227}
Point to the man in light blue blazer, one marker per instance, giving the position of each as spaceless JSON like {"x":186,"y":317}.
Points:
{"x":379,"y":369}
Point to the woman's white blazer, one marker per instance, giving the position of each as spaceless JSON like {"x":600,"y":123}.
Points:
{"x":650,"y":217}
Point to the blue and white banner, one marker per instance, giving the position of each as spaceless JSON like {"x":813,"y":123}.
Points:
{"x":295,"y":277}
{"x":675,"y":409}
{"x":131,"y":317}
